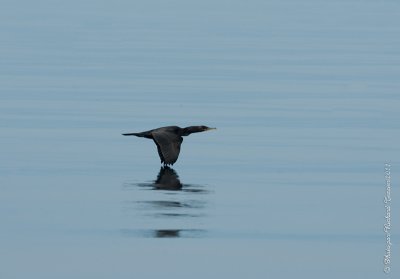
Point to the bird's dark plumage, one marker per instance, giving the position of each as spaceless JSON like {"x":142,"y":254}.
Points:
{"x":169,"y":139}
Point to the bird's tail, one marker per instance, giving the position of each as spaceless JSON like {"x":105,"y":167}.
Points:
{"x":132,"y":134}
{"x":142,"y":134}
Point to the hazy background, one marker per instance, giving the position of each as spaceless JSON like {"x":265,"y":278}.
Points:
{"x":305,"y":96}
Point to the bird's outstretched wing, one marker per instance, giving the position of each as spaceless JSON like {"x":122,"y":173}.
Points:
{"x":168,"y":145}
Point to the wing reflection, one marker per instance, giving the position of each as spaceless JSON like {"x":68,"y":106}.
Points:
{"x":167,"y":179}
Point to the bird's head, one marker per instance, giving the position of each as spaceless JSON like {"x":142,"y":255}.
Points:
{"x":205,"y":128}
{"x":195,"y":129}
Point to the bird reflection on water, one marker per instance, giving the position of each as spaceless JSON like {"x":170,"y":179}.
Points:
{"x":175,"y":207}
{"x":166,"y":233}
{"x":167,"y":179}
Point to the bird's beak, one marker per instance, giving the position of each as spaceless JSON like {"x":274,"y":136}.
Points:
{"x":211,"y":129}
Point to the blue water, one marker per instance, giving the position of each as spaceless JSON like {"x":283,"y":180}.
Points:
{"x":305,"y":98}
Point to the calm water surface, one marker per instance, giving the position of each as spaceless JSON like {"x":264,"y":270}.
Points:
{"x":305,"y":96}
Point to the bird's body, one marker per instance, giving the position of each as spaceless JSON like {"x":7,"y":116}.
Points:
{"x":169,"y":139}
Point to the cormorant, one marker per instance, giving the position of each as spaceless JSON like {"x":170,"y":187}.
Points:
{"x":168,"y":140}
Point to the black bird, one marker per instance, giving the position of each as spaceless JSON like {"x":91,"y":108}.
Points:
{"x":168,"y":140}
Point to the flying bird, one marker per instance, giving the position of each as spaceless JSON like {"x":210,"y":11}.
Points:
{"x":169,"y":139}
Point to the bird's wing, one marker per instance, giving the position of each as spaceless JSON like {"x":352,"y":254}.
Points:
{"x":168,"y":145}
